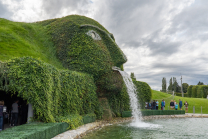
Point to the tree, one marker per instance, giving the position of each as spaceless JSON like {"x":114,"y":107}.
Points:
{"x":132,"y":76}
{"x":170,"y":87}
{"x":185,"y":87}
{"x":200,"y":83}
{"x":164,"y":84}
{"x":176,"y":87}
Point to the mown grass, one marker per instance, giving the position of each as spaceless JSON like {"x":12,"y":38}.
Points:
{"x":26,"y":39}
{"x":197,"y":102}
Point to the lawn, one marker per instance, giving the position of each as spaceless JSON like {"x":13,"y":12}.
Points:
{"x":19,"y":39}
{"x":193,"y":102}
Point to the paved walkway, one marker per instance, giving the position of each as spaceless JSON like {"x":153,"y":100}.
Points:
{"x":72,"y":134}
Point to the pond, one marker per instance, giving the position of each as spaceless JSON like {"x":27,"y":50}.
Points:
{"x":176,"y":128}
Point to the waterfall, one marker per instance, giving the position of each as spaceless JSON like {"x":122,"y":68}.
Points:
{"x":131,"y":89}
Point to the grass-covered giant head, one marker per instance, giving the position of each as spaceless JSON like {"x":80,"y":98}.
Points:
{"x":86,"y":46}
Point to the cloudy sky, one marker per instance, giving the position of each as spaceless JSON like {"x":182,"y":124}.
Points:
{"x":161,"y":38}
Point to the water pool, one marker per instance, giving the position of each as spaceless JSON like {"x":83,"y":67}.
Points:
{"x":176,"y":128}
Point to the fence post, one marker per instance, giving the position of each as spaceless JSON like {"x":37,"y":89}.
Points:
{"x":168,"y":107}
{"x":201,"y":109}
{"x":193,"y":109}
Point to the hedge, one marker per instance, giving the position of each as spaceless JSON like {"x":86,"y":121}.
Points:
{"x":202,"y":91}
{"x":190,"y":91}
{"x":184,"y":94}
{"x":144,"y":92}
{"x":51,"y":91}
{"x":198,"y":91}
{"x":34,"y":131}
{"x":154,"y":112}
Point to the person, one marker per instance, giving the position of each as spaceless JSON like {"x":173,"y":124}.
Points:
{"x":157,"y":105}
{"x":174,"y":102}
{"x":180,"y":104}
{"x":1,"y":115}
{"x":176,"y":106}
{"x":172,"y":105}
{"x":162,"y":105}
{"x":15,"y":112}
{"x":154,"y":105}
{"x":150,"y":106}
{"x":186,"y":106}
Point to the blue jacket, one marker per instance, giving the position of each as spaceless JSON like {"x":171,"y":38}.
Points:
{"x":162,"y":104}
{"x":176,"y":106}
{"x":180,"y":103}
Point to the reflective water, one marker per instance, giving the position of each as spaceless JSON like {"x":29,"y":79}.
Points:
{"x":182,"y":128}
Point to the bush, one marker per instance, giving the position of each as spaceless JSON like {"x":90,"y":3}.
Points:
{"x":190,"y":91}
{"x":52,"y":92}
{"x":194,"y":91}
{"x":144,"y":92}
{"x":34,"y":131}
{"x":180,"y":94}
{"x":202,"y":91}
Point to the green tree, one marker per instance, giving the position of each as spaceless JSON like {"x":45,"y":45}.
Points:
{"x":133,"y":76}
{"x":176,"y":87}
{"x":170,"y":87}
{"x":200,"y":83}
{"x":164,"y":84}
{"x":185,"y":87}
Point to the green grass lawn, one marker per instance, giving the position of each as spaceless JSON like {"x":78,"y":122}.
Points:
{"x":19,"y":39}
{"x":197,"y":102}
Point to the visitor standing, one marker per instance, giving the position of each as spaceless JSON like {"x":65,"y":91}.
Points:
{"x":186,"y":106}
{"x":154,"y":105}
{"x":1,"y":115}
{"x":14,"y":113}
{"x":157,"y":105}
{"x":176,"y":106}
{"x":180,"y":104}
{"x":162,"y":105}
{"x":172,"y":105}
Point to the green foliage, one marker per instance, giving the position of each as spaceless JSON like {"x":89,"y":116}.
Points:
{"x":119,"y":102}
{"x":154,"y":112}
{"x":170,"y":87}
{"x":19,"y":39}
{"x":80,"y":52}
{"x":190,"y":91}
{"x":144,"y":92}
{"x":133,"y":76}
{"x":73,"y":121}
{"x":164,"y":84}
{"x":194,"y":91}
{"x":34,"y":131}
{"x":200,"y":83}
{"x":185,"y":87}
{"x":202,"y":91}
{"x":51,"y":92}
{"x":180,"y":94}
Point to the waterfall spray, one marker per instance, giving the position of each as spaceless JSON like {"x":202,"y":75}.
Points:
{"x":131,"y":89}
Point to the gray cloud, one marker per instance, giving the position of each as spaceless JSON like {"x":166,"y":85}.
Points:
{"x":54,"y":7}
{"x":4,"y":12}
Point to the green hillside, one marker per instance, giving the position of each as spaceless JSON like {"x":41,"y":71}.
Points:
{"x":197,"y":102}
{"x":26,"y":39}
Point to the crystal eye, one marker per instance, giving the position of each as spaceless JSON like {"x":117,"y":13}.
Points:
{"x":93,"y":34}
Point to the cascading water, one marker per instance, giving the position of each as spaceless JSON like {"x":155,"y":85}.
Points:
{"x":136,"y":114}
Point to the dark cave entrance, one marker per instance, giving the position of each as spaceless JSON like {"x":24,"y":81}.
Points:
{"x":9,"y":99}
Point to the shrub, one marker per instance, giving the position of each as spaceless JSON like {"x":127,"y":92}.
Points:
{"x":190,"y":91}
{"x":144,"y":92}
{"x":52,"y":92}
